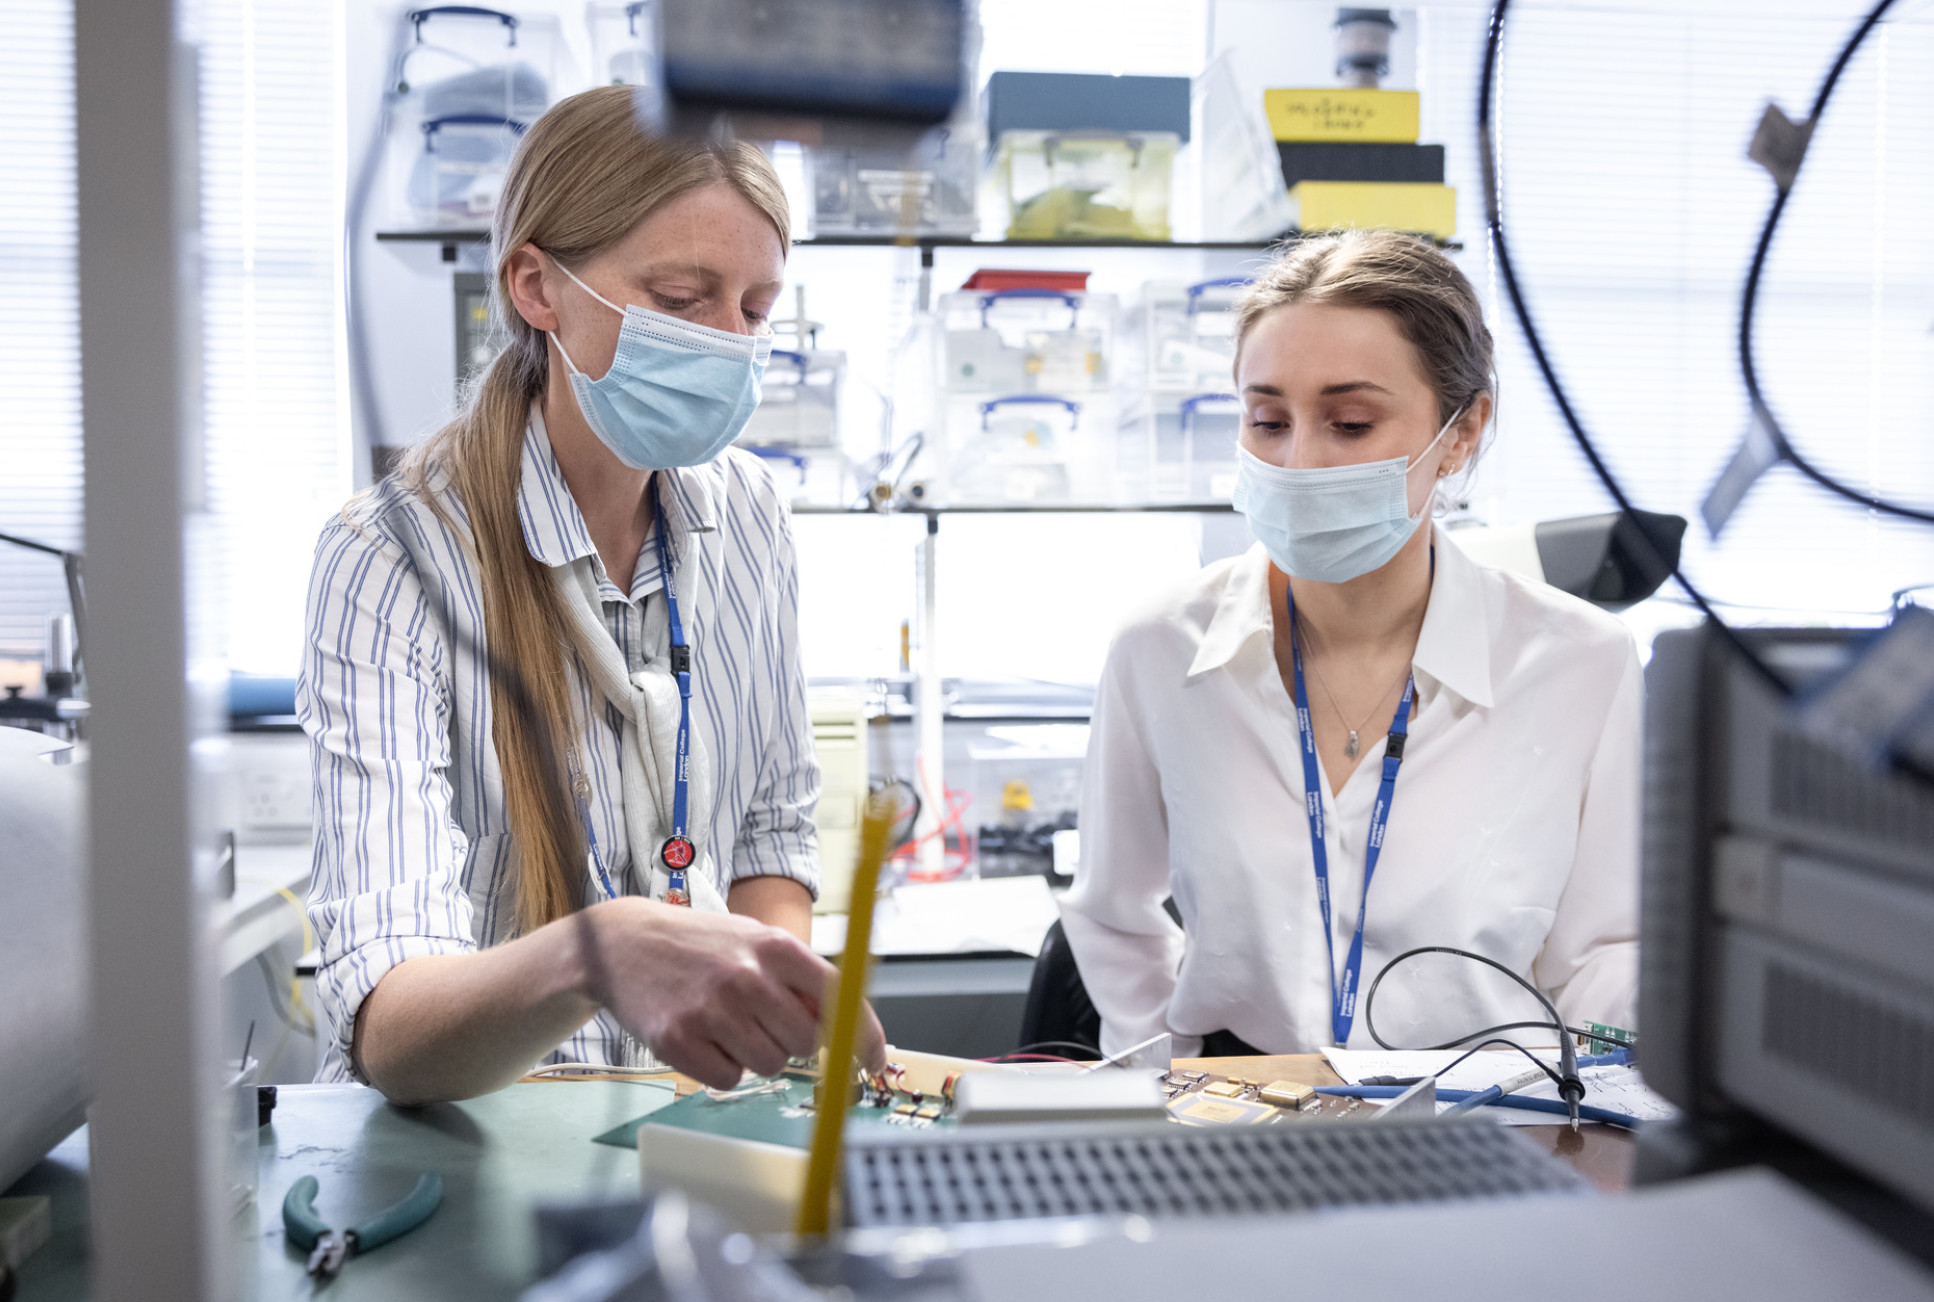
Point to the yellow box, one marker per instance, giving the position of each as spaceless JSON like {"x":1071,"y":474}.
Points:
{"x":1389,"y":205}
{"x":1362,"y":116}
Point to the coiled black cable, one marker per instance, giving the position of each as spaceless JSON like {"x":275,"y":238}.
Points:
{"x":1501,"y":253}
{"x":1571,"y":1088}
{"x":1749,"y":304}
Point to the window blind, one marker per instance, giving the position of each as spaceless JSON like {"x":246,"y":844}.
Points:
{"x":278,"y":450}
{"x":277,"y":459}
{"x":1632,"y":212}
{"x":40,"y":420}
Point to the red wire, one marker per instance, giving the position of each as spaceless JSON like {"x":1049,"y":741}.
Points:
{"x":1029,"y":1057}
{"x":955,"y":802}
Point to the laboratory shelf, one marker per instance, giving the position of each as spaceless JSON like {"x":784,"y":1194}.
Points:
{"x":1028,"y":508}
{"x":454,"y":237}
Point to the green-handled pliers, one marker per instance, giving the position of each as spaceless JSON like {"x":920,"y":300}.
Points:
{"x":328,"y":1249}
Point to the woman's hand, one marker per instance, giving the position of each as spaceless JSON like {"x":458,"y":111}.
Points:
{"x":712,"y":994}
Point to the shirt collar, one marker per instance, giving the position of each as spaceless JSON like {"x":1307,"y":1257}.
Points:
{"x":1240,"y":613}
{"x":554,"y":528}
{"x":1453,"y":649}
{"x":1454,"y":646}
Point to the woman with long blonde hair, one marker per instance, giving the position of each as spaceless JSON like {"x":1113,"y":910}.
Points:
{"x":564,"y":769}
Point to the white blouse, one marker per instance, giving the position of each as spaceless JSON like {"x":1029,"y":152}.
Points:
{"x":1513,"y":831}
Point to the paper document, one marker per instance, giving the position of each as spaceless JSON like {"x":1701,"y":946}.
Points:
{"x":997,"y":914}
{"x":1620,"y":1089}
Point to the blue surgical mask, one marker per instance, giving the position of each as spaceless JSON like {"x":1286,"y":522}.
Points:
{"x":1332,"y":524}
{"x":677,"y":394}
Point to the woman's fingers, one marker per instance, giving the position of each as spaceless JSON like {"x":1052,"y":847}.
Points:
{"x":702,"y":1060}
{"x":872,"y":1041}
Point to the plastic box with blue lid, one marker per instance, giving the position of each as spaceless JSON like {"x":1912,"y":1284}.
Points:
{"x":1026,"y":340}
{"x":1179,"y":447}
{"x":469,"y":84}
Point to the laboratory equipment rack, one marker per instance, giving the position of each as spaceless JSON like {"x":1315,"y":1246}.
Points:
{"x":455,"y":238}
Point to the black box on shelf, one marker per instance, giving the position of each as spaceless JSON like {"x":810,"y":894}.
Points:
{"x":1331,"y":161}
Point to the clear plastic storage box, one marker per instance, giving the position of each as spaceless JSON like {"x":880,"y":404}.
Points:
{"x":623,"y":51}
{"x":799,"y":400}
{"x":1004,"y":341}
{"x":469,"y":85}
{"x":1179,"y":448}
{"x":1021,"y":448}
{"x":1091,"y":185}
{"x":1184,"y":335}
{"x":929,"y":191}
{"x":1083,"y":157}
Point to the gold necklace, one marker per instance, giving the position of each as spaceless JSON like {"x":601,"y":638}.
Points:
{"x":1353,"y":747}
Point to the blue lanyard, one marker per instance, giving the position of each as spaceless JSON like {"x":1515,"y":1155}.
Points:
{"x":1343,"y":996}
{"x":677,"y":853}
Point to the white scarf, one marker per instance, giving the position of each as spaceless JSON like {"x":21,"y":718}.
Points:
{"x":648,"y":700}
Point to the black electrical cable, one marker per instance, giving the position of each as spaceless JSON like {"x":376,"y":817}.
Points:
{"x":1749,"y":301}
{"x":1570,"y":1087}
{"x":1574,"y":1031}
{"x":1501,"y":253}
{"x":1536,"y":1061}
{"x":1042,"y":1045}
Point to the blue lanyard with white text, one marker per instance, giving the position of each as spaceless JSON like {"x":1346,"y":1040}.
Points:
{"x":678,"y":852}
{"x":1343,"y":996}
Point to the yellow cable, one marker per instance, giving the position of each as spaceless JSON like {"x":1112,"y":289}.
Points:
{"x":849,"y":998}
{"x":308,"y":939}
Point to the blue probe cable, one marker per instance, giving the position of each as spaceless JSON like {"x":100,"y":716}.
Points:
{"x":1623,"y":1120}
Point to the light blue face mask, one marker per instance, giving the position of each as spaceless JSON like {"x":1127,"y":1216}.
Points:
{"x":677,"y":394}
{"x":1335,"y":523}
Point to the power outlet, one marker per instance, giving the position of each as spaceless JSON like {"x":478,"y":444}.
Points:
{"x":276,"y":801}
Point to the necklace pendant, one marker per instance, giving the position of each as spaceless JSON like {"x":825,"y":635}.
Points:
{"x":1350,"y":747}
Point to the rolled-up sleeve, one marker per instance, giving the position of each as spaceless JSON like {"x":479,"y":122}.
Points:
{"x":373,"y":695}
{"x":1589,"y":962}
{"x":776,"y":835}
{"x":1126,"y":945}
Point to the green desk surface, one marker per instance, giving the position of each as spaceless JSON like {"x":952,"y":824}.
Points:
{"x":499,"y":1156}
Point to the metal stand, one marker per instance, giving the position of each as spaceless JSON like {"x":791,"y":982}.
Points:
{"x":929,"y":709}
{"x":156,"y":1170}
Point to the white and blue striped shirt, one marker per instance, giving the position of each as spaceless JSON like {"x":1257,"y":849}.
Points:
{"x":412,"y":855}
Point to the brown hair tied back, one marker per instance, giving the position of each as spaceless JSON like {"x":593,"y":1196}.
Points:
{"x":1432,"y":302}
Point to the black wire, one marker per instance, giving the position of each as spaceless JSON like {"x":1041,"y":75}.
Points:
{"x":1570,"y":1087}
{"x":909,"y":811}
{"x":1536,"y":1061}
{"x":1749,"y":301}
{"x":1501,"y":254}
{"x":1040,"y":1045}
{"x":1519,"y":1026}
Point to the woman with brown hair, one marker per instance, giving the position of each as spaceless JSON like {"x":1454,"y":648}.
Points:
{"x":1353,"y":700}
{"x":564,"y":768}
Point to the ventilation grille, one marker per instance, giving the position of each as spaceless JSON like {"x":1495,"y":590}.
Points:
{"x":1175,"y":1171}
{"x":1865,"y":1046}
{"x":1815,"y":784}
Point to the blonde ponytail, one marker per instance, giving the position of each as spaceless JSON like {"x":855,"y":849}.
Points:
{"x":584,"y":176}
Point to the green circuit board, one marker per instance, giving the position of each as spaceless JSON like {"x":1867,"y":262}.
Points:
{"x":780,"y":1110}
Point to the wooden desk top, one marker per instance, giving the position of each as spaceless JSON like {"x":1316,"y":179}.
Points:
{"x":1602,"y":1154}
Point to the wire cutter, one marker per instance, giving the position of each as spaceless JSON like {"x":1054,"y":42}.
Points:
{"x":328,"y":1249}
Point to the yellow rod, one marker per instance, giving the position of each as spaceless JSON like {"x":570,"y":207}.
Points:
{"x":829,"y":1124}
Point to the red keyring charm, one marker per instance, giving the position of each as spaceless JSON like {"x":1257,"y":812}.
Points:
{"x":677,"y":853}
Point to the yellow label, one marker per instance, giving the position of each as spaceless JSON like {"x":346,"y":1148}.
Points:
{"x":1387,"y":205}
{"x":1363,"y":116}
